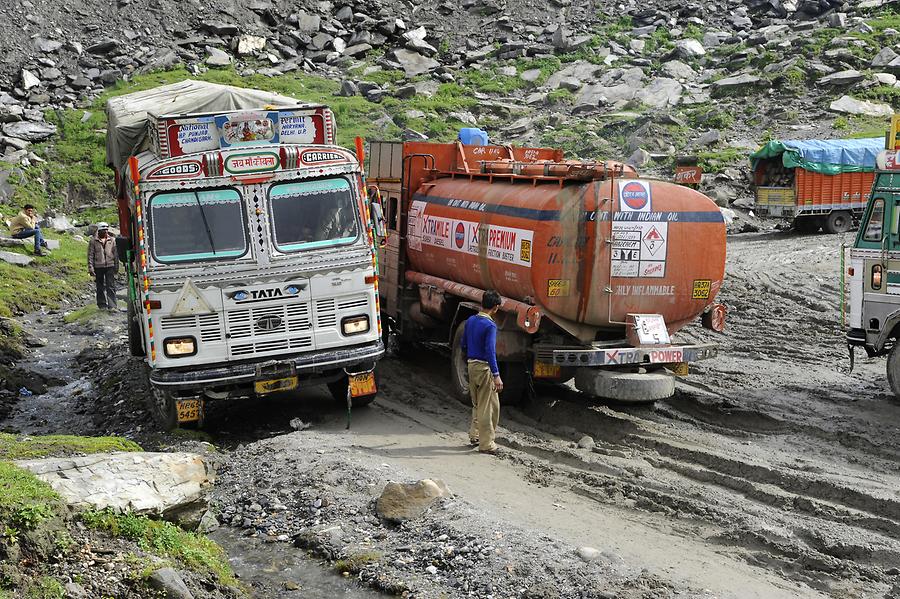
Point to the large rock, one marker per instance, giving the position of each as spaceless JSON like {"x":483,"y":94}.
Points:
{"x":737,"y":81}
{"x":158,"y":484}
{"x":170,"y":583}
{"x":308,"y":23}
{"x":414,"y":63}
{"x":848,"y":77}
{"x":689,"y":48}
{"x":679,"y":70}
{"x":400,"y":502}
{"x":661,"y":92}
{"x":29,"y":79}
{"x":884,"y":57}
{"x":849,"y":105}
{"x":217,"y":58}
{"x":29,"y":130}
{"x":14,"y":258}
{"x":250,"y":44}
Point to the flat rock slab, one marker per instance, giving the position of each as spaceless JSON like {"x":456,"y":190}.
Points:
{"x":400,"y":502}
{"x":142,"y":482}
{"x":17,"y":259}
{"x":11,"y":242}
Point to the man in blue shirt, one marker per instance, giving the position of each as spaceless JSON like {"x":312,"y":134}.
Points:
{"x":479,"y":343}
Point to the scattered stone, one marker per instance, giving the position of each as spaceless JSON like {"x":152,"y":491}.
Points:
{"x":742,"y":80}
{"x":886,"y":78}
{"x":679,"y":70}
{"x":47,"y":46}
{"x":661,"y":92}
{"x":250,"y":44}
{"x":217,"y":58}
{"x":103,"y":47}
{"x":9,"y":242}
{"x":76,"y":591}
{"x":848,"y":77}
{"x":588,"y":554}
{"x":689,"y":48}
{"x":28,"y":130}
{"x":413,"y":63}
{"x":531,"y":75}
{"x":17,"y":259}
{"x":169,"y":581}
{"x":29,"y":79}
{"x":586,"y":442}
{"x":884,"y":57}
{"x":401,"y":502}
{"x":639,"y":158}
{"x":348,"y":89}
{"x":849,"y":105}
{"x":709,"y":138}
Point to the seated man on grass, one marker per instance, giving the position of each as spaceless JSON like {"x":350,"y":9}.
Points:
{"x":24,"y":225}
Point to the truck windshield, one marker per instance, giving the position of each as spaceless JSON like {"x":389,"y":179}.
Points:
{"x":197,"y":225}
{"x":313,"y":214}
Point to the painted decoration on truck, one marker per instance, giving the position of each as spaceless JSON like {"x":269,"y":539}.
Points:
{"x":301,"y":129}
{"x":504,"y":244}
{"x":634,"y":196}
{"x":190,"y":136}
{"x":247,"y":129}
{"x":639,"y":249}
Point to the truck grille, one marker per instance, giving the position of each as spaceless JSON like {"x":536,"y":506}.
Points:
{"x":250,"y":328}
{"x":325,"y":313}
{"x":276,"y":345}
{"x":209,"y":325}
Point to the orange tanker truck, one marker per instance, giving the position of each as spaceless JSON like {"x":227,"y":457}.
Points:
{"x":596,"y":266}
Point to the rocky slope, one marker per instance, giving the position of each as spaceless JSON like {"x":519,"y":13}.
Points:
{"x":641,"y":80}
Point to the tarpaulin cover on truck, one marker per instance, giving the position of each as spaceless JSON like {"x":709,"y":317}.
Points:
{"x":827,"y":156}
{"x":128,"y":115}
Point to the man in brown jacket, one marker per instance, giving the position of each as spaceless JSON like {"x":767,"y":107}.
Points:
{"x":103,"y":262}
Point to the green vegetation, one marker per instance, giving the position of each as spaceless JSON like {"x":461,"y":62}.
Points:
{"x":355,"y":562}
{"x":715,"y":161}
{"x":884,"y":93}
{"x":45,"y":587}
{"x":560,"y":96}
{"x":25,"y":501}
{"x":83,"y":314}
{"x":490,"y":80}
{"x":190,"y":550}
{"x":14,"y":448}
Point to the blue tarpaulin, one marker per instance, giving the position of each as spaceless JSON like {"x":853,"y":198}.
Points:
{"x":830,"y":156}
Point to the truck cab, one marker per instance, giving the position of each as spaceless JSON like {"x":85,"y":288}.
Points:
{"x":250,"y":259}
{"x":874,"y":271}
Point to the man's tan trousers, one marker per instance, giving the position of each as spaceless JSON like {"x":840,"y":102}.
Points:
{"x":485,"y":405}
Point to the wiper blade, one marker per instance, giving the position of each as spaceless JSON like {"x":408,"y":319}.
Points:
{"x":209,"y":236}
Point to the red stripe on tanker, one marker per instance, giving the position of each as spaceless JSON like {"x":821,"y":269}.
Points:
{"x":585,"y":252}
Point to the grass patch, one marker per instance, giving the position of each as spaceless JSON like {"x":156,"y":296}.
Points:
{"x":716,"y":161}
{"x":15,"y":448}
{"x":191,"y":550}
{"x":355,"y":562}
{"x":561,"y":96}
{"x":491,"y":81}
{"x":83,"y":314}
{"x":45,"y":587}
{"x":25,"y":500}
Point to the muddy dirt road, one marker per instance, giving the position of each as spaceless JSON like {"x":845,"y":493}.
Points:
{"x":772,"y":472}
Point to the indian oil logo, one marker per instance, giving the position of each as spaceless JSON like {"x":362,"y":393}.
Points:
{"x":459,"y":235}
{"x":634,"y":195}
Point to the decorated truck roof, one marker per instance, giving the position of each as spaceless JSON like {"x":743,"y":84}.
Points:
{"x":196,"y":116}
{"x":827,"y":156}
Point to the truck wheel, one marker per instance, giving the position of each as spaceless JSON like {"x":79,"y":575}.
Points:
{"x":838,"y":221}
{"x":338,"y":391}
{"x":629,"y":387}
{"x":164,"y":409}
{"x":893,"y":369}
{"x":135,"y":338}
{"x":514,"y":375}
{"x":807,"y":224}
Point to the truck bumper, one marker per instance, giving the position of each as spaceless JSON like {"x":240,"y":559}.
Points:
{"x":626,"y":356}
{"x":308,"y":364}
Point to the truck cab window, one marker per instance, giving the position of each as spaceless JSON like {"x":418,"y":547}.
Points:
{"x":313,"y":214}
{"x":875,"y":224}
{"x":189,"y":226}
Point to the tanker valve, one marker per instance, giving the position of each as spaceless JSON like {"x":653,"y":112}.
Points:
{"x":714,"y":317}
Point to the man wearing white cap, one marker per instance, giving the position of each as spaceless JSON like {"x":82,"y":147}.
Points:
{"x":103,"y":262}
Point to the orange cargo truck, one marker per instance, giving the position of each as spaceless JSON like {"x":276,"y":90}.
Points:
{"x":598,"y":268}
{"x":820,"y":184}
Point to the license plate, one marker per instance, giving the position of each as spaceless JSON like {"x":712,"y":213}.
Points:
{"x":188,"y":410}
{"x":274,"y":385}
{"x":362,"y":384}
{"x":680,"y":369}
{"x":543,"y":370}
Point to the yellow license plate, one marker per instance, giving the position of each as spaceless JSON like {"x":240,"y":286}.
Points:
{"x":188,"y":410}
{"x":274,"y":385}
{"x":543,"y":370}
{"x":362,"y":384}
{"x":679,"y":369}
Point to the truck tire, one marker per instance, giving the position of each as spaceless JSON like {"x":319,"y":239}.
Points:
{"x":839,"y":221}
{"x":626,"y":387}
{"x":338,"y":390}
{"x":135,"y":338}
{"x":514,"y":374}
{"x":162,"y":405}
{"x":893,"y":370}
{"x":807,"y":224}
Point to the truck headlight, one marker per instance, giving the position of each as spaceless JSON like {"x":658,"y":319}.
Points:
{"x":179,"y":347}
{"x":355,"y":325}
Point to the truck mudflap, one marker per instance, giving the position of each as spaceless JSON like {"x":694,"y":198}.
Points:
{"x":625,"y":356}
{"x":248,"y":372}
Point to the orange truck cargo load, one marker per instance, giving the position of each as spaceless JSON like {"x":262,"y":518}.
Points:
{"x":597,"y":267}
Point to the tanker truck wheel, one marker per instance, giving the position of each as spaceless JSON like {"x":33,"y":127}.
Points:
{"x":893,"y":369}
{"x":514,"y":375}
{"x":624,"y":386}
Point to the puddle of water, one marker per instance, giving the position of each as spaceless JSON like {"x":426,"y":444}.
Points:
{"x":268,"y":566}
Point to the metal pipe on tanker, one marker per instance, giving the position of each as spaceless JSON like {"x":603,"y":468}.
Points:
{"x":527,"y":317}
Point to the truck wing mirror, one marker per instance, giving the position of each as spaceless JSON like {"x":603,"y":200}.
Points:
{"x":378,"y":222}
{"x":123,"y":245}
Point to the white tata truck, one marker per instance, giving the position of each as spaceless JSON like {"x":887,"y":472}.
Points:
{"x":248,"y":247}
